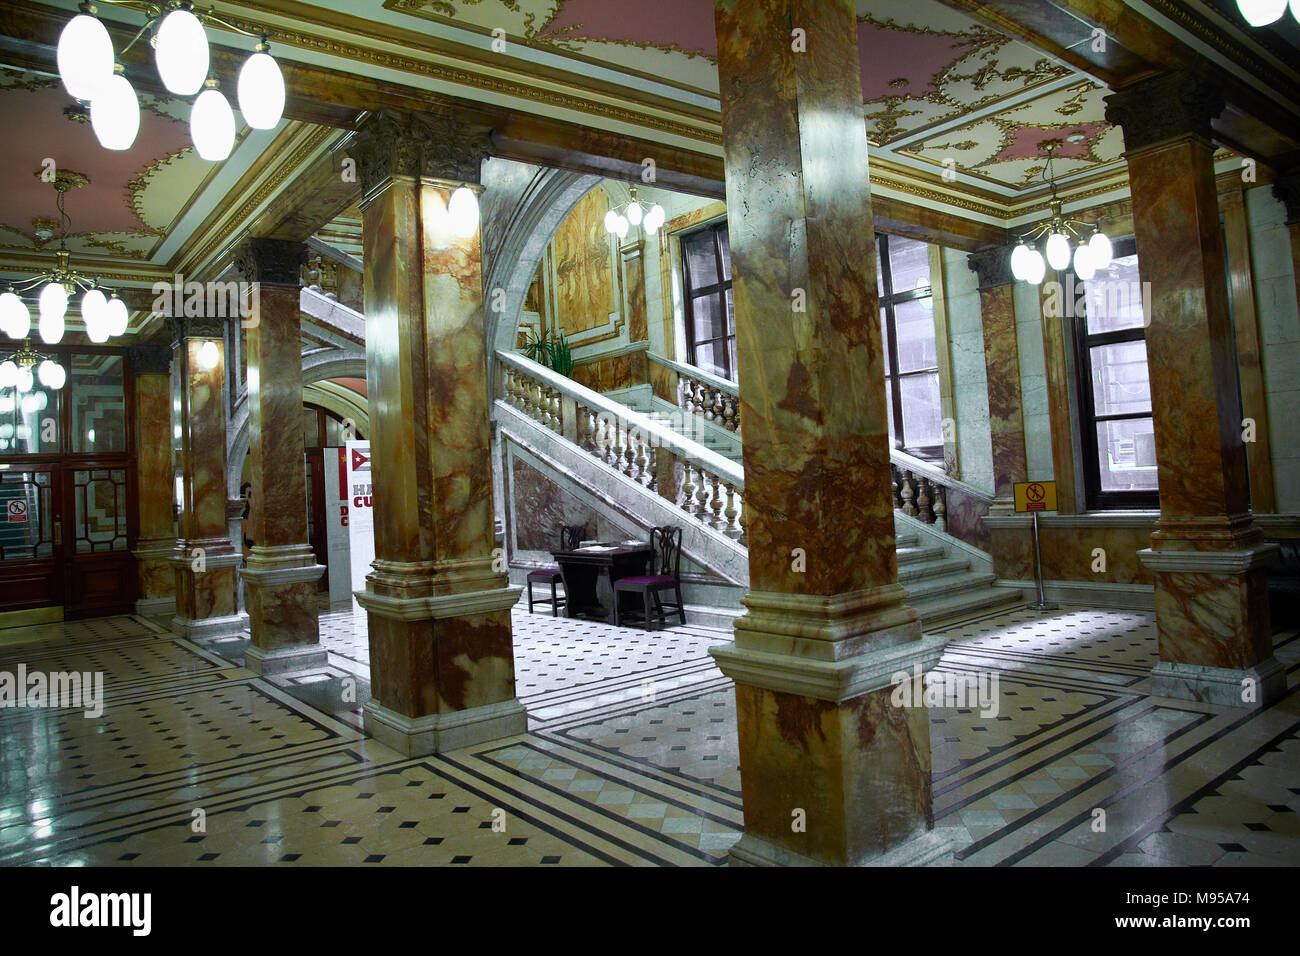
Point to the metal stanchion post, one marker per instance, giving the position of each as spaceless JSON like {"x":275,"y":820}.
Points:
{"x":1043,"y":604}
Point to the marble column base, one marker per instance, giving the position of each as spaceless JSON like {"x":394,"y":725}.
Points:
{"x":280,"y":594}
{"x":440,"y":733}
{"x":932,"y":848}
{"x":441,"y":669}
{"x":1221,"y":686}
{"x":282,"y":660}
{"x":156,"y":607}
{"x":832,"y":770}
{"x":1213,"y":624}
{"x":155,"y":576}
{"x":209,"y":629}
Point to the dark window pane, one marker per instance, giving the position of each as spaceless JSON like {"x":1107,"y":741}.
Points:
{"x":921,"y":420}
{"x":33,"y":537}
{"x":98,"y":408}
{"x":884,"y":343}
{"x":1114,"y":297}
{"x":1126,"y":453}
{"x":701,"y":262}
{"x":1120,"y":384}
{"x":731,"y":356}
{"x":100,"y":498}
{"x":914,"y":322}
{"x":724,"y":241}
{"x":707,"y":319}
{"x":909,"y":265}
{"x":29,"y":423}
{"x":731,"y":314}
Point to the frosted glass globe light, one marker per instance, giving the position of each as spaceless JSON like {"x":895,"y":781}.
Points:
{"x":212,"y":125}
{"x":53,"y":300}
{"x":261,"y":91}
{"x":463,"y":208}
{"x":93,"y":309}
{"x":1083,"y":263}
{"x":85,"y":56}
{"x":181,"y":53}
{"x":8,"y":377}
{"x":634,"y":213}
{"x":51,"y":327}
{"x":1260,"y":13}
{"x":209,"y":355}
{"x":1295,"y":10}
{"x":115,"y":113}
{"x":611,"y":222}
{"x":621,"y":226}
{"x":1035,"y":267}
{"x":1019,"y":256}
{"x":654,"y":219}
{"x":1101,"y":250}
{"x":51,"y":374}
{"x":30,"y":405}
{"x":25,"y":379}
{"x":117,"y":317}
{"x":15,"y":319}
{"x":1058,"y":251}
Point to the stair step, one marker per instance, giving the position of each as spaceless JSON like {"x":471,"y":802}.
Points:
{"x":950,"y":584}
{"x":916,"y":554}
{"x":906,"y":540}
{"x":943,"y":607}
{"x":930,"y":569}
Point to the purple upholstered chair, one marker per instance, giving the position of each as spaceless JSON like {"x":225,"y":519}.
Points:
{"x":665,"y":570}
{"x":571,"y":536}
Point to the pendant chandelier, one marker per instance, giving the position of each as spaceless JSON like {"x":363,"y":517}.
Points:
{"x":632,"y":213}
{"x":91,"y":74}
{"x":103,"y":313}
{"x":1260,"y":13}
{"x":1088,"y":255}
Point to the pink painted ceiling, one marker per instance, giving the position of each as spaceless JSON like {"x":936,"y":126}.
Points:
{"x":35,"y":128}
{"x":901,"y":63}
{"x":1025,"y":142}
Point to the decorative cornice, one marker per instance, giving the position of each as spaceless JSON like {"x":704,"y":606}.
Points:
{"x":273,"y":261}
{"x":150,"y":359}
{"x":196,"y":327}
{"x":1165,"y":107}
{"x":419,"y":145}
{"x":992,"y":266}
{"x":1286,"y":189}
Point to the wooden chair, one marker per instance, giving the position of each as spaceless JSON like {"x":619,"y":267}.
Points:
{"x":665,"y":575}
{"x":571,"y":536}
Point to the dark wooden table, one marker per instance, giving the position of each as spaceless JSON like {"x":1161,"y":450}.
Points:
{"x":589,"y":578}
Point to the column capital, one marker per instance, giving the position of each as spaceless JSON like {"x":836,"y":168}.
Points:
{"x":992,"y":266}
{"x":1170,"y":106}
{"x":197,"y":327}
{"x":150,"y":359}
{"x":272,"y":261}
{"x":419,"y":145}
{"x":1286,"y":189}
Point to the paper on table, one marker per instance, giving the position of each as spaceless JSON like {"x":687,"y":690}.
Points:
{"x":599,"y":547}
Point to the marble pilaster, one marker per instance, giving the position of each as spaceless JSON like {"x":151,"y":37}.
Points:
{"x":832,"y":771}
{"x":280,"y":573}
{"x":155,"y":541}
{"x":442,"y":658}
{"x":1207,"y":554}
{"x":205,"y":559}
{"x":1002,"y":365}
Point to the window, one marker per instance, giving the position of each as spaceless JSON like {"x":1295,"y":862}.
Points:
{"x":911,"y":355}
{"x":710,"y":315}
{"x":1114,"y":388}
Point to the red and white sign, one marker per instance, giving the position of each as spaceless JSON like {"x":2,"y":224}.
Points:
{"x":361,"y":512}
{"x":17,"y":510}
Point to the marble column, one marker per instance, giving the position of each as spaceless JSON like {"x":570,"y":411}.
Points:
{"x":1207,"y":554}
{"x":155,"y":542}
{"x":833,"y":772}
{"x":205,"y":559}
{"x":1002,"y":364}
{"x":281,"y":572}
{"x":442,"y":659}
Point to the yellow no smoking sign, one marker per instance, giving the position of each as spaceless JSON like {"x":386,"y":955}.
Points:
{"x":1035,"y":496}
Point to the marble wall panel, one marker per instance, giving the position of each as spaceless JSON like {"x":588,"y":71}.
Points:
{"x":969,"y":373}
{"x":1068,"y":553}
{"x":607,"y":373}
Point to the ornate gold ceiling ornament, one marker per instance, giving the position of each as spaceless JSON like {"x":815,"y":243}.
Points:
{"x":135,"y":189}
{"x":12,"y":79}
{"x":64,"y":179}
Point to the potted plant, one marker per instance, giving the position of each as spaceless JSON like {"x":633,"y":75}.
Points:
{"x":552,"y":350}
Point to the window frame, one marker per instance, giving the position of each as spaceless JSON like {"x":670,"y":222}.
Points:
{"x":893,"y":379}
{"x":718,"y":290}
{"x":1095,"y":498}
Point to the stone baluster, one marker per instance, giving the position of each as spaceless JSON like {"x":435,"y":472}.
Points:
{"x":940,"y":509}
{"x":687,"y":503}
{"x":923,"y":500}
{"x":642,"y":459}
{"x":731,"y":527}
{"x":908,"y":494}
{"x":702,"y":496}
{"x":717,"y":503}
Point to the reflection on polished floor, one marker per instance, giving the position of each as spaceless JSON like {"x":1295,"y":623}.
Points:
{"x":631,"y":757}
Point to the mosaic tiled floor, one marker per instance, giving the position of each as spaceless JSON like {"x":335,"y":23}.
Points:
{"x":631,"y":757}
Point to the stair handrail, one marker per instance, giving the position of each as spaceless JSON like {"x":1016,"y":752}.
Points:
{"x":936,"y":474}
{"x":708,"y":378}
{"x":683,"y":448}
